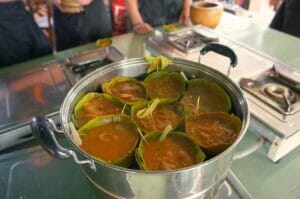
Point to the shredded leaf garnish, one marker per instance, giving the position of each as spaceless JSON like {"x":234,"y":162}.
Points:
{"x":122,"y":113}
{"x":164,"y":134}
{"x":123,"y":110}
{"x":76,"y":138}
{"x":184,"y":76}
{"x":197,"y":105}
{"x":148,"y":111}
{"x":142,"y":136}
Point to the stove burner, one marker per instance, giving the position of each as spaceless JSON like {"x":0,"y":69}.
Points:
{"x":273,"y":92}
{"x":189,"y":42}
{"x":278,"y":92}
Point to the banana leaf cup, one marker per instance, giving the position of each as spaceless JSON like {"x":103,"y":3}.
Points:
{"x":126,"y":89}
{"x":214,"y":132}
{"x":176,"y":151}
{"x":155,"y":118}
{"x":94,"y":104}
{"x":112,"y":139}
{"x":165,"y":85}
{"x":205,"y":96}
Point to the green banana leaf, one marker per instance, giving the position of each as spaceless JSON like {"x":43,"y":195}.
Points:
{"x":82,"y":116}
{"x":102,"y":121}
{"x":214,"y":131}
{"x":211,"y":97}
{"x":139,"y":154}
{"x":157,"y":117}
{"x":127,"y":95}
{"x":157,"y":63}
{"x":166,"y":85}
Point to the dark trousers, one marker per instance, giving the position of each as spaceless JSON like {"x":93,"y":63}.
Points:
{"x":76,"y":29}
{"x":287,"y":18}
{"x":20,"y":37}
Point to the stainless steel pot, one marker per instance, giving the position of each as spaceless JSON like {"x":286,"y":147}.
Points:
{"x":198,"y":181}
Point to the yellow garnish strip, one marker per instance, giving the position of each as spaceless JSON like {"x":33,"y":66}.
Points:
{"x":74,"y":135}
{"x":164,"y":134}
{"x":157,"y":63}
{"x":197,"y":105}
{"x":148,"y":111}
{"x":142,"y":136}
{"x":123,"y":110}
{"x":184,"y":76}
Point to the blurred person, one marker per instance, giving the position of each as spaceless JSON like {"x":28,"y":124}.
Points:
{"x":74,"y":27}
{"x":146,"y":14}
{"x":20,"y":37}
{"x":286,"y":18}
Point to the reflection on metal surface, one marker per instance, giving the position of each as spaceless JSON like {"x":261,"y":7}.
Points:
{"x":28,"y":93}
{"x":33,"y":174}
{"x":41,"y":90}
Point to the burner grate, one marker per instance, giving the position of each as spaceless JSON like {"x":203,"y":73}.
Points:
{"x":189,"y":41}
{"x":78,"y":66}
{"x":271,"y":91}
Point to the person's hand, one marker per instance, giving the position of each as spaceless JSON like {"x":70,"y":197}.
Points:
{"x":142,"y":28}
{"x":184,"y":17}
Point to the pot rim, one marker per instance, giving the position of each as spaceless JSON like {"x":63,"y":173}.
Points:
{"x":196,"y":5}
{"x":244,"y":127}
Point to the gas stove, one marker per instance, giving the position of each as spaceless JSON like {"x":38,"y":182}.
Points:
{"x":275,"y":96}
{"x":272,"y":92}
{"x":78,"y":66}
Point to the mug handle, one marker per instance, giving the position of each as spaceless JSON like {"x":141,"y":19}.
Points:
{"x":42,"y":129}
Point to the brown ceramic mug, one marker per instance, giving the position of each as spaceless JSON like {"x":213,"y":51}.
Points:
{"x":206,"y":13}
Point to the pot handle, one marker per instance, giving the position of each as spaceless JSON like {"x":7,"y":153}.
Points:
{"x":42,"y":129}
{"x":222,"y":50}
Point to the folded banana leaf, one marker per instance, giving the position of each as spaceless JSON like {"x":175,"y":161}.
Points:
{"x":157,"y":63}
{"x":163,"y":84}
{"x":205,"y":96}
{"x":176,"y":151}
{"x":112,"y":139}
{"x":93,"y":105}
{"x":214,"y":132}
{"x":126,"y":89}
